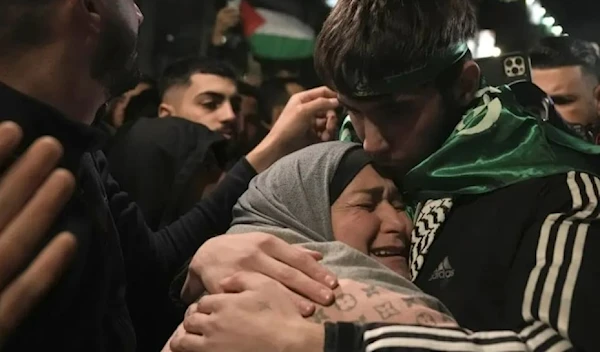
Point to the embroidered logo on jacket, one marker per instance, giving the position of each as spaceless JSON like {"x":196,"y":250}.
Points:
{"x":429,"y":221}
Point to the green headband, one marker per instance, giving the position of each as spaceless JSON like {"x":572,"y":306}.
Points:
{"x":413,"y":78}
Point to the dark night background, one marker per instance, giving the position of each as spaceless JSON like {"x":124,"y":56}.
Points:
{"x":182,"y":27}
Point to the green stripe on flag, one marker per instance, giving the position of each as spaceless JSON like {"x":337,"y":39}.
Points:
{"x":272,"y":46}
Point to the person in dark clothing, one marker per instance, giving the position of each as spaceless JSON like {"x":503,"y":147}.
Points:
{"x":166,"y":165}
{"x":505,"y":202}
{"x":117,"y":254}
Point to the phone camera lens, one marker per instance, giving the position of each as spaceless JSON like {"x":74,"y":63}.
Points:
{"x":519,"y":61}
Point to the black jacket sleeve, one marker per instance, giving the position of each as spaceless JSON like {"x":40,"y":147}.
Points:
{"x":552,"y":287}
{"x":158,"y":255}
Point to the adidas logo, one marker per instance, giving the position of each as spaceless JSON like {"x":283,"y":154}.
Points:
{"x":443,"y":271}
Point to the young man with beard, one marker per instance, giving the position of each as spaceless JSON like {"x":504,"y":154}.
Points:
{"x":568,"y":70}
{"x":507,"y":220}
{"x":60,"y":61}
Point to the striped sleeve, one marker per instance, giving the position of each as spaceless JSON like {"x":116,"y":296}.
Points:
{"x":552,"y":301}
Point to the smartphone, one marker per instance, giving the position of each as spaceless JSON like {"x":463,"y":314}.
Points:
{"x":505,"y":69}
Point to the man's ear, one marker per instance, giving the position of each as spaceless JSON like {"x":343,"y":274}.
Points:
{"x":90,"y":15}
{"x":165,"y":110}
{"x":468,"y":82}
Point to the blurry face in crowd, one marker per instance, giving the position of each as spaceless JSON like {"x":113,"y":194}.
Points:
{"x":369,"y":216}
{"x":402,"y":130}
{"x":576,"y":94}
{"x":248,"y":120}
{"x":291,"y":88}
{"x":210,"y":100}
{"x":118,"y":105}
{"x":114,"y":62}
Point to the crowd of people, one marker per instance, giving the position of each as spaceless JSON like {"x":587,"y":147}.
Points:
{"x":403,"y":205}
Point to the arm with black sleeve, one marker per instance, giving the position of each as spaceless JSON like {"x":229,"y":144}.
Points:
{"x":551,"y":302}
{"x":157,"y":256}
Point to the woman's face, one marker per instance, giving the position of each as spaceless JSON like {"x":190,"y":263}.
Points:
{"x":370,"y":217}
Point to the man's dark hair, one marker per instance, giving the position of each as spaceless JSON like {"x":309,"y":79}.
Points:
{"x":373,"y":39}
{"x":179,"y":72}
{"x":24,"y":23}
{"x":555,"y":52}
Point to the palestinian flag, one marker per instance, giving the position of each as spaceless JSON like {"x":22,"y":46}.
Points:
{"x":275,"y":35}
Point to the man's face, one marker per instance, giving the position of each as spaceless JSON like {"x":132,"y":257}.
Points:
{"x":114,"y":63}
{"x":572,"y":91}
{"x":210,"y":100}
{"x":401,"y":131}
{"x":248,"y":119}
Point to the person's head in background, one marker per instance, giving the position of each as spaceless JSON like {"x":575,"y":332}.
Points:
{"x":567,"y":69}
{"x":116,"y":107}
{"x":402,"y":70}
{"x":250,"y":129}
{"x":276,"y":92}
{"x":203,"y":91}
{"x":88,"y":50}
{"x":144,"y":104}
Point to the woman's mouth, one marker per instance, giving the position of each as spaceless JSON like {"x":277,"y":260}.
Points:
{"x":389,"y":251}
{"x":395,"y":258}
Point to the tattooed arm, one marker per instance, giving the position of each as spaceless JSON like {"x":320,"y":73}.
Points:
{"x":358,"y":302}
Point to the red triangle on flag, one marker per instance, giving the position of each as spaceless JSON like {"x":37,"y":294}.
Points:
{"x":251,"y":20}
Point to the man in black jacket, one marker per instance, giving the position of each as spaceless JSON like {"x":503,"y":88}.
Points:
{"x":507,"y":222}
{"x":59,"y":60}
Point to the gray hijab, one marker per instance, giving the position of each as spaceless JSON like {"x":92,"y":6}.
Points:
{"x":290,"y":200}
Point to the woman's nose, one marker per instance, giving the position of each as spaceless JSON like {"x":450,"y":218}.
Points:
{"x":394,"y":221}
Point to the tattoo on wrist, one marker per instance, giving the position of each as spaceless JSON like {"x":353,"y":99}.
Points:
{"x":319,"y":317}
{"x":345,"y":302}
{"x":386,"y":310}
{"x":413,"y":301}
{"x":426,"y":319}
{"x":371,"y":291}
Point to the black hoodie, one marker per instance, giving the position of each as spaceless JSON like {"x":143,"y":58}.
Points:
{"x":159,"y":162}
{"x":164,"y":164}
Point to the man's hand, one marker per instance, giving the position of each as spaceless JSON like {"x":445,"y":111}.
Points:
{"x":227,"y":18}
{"x":257,"y":320}
{"x":220,"y":258}
{"x":309,"y":117}
{"x":32,"y":193}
